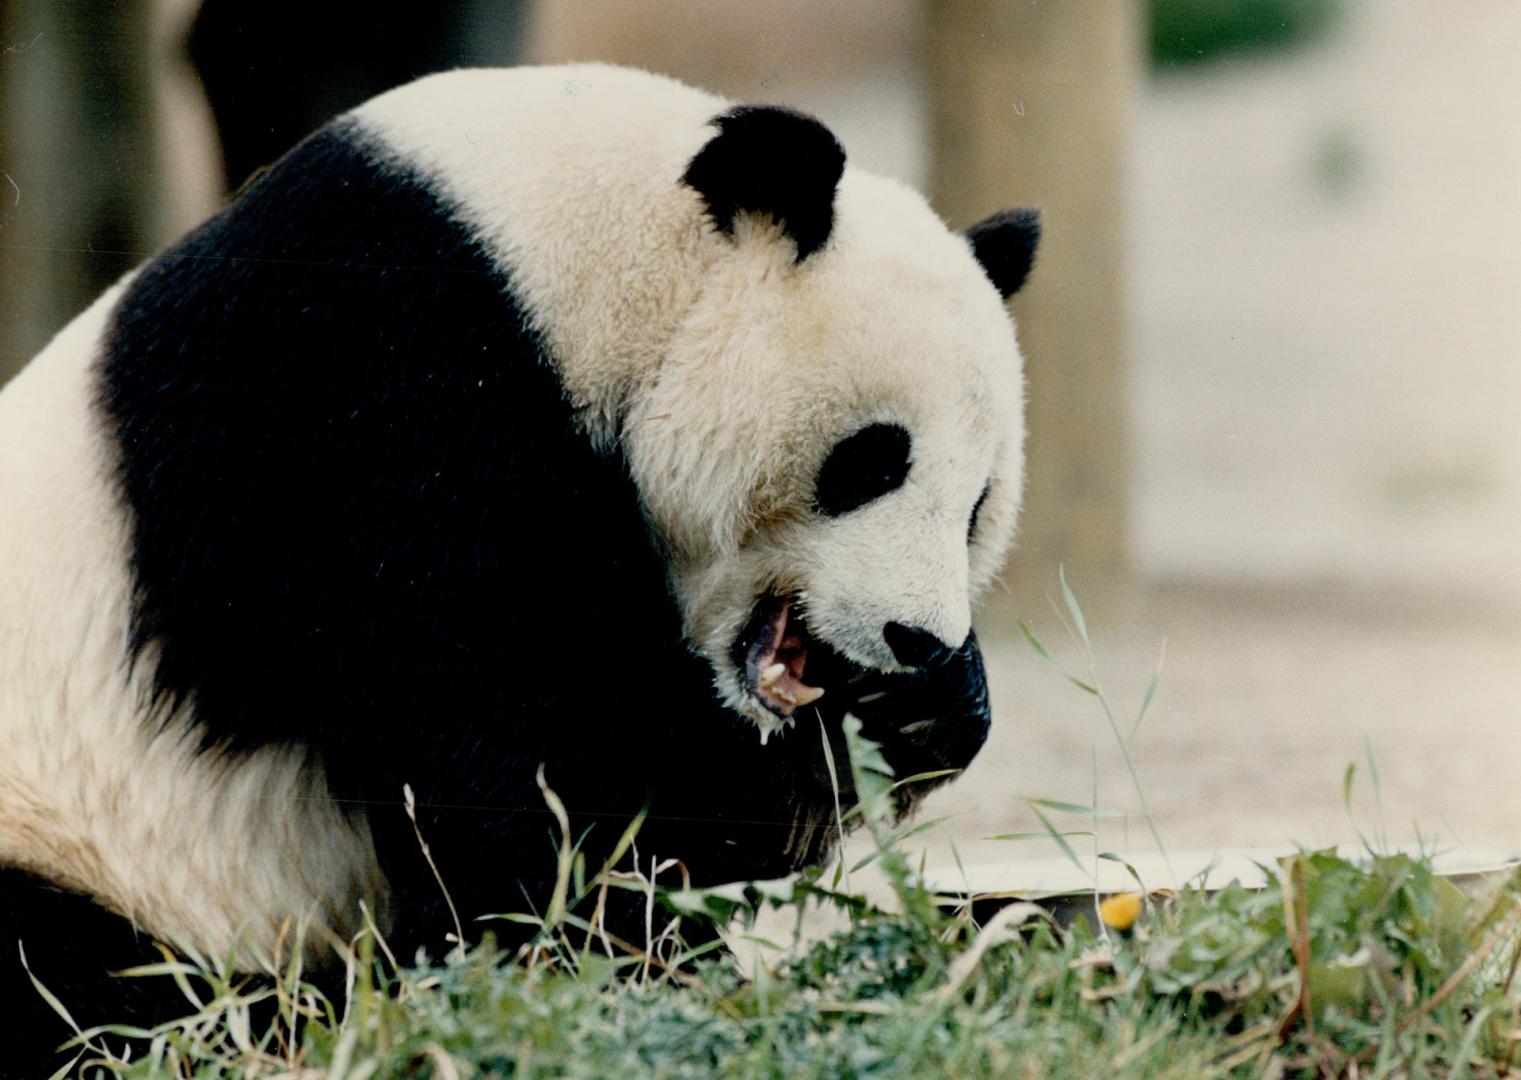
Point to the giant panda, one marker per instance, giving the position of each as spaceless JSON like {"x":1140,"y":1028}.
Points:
{"x":564,"y":418}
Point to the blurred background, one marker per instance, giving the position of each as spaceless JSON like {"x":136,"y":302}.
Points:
{"x":1273,"y":340}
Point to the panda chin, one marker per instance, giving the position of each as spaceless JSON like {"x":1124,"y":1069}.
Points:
{"x":775,"y":652}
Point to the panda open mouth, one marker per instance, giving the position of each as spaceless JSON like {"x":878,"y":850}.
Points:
{"x":772,"y":655}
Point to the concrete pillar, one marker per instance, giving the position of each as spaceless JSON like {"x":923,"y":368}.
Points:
{"x":1029,"y":101}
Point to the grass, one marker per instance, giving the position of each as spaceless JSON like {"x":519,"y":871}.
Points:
{"x":1374,"y":967}
{"x":1338,"y":969}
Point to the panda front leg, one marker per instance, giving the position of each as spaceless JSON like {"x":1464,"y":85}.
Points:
{"x":461,"y":831}
{"x":492,"y":838}
{"x":710,"y":796}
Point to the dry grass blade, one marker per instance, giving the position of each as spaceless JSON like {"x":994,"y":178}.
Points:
{"x":999,"y":928}
{"x":565,"y":855}
{"x":409,"y":801}
{"x":1510,"y":970}
{"x":1467,"y":968}
{"x":1296,"y":922}
{"x":59,"y":1008}
{"x":856,"y":1008}
{"x":377,"y":936}
{"x":443,"y":1065}
{"x":1255,"y":1042}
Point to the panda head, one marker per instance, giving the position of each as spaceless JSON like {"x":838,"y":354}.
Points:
{"x":831,"y":446}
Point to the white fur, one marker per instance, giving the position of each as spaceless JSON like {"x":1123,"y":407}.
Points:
{"x":96,"y":792}
{"x":732,"y":369}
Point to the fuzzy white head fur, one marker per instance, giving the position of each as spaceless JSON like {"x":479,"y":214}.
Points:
{"x":728,"y":369}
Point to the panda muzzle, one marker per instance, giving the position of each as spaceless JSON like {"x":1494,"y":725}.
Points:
{"x":775,"y":648}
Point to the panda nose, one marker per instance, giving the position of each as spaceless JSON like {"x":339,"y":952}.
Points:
{"x":914,"y":647}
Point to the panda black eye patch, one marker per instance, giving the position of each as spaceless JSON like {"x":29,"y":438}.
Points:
{"x":863,"y":467}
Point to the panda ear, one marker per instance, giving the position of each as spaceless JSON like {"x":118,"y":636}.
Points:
{"x":1005,"y":246}
{"x":774,"y":161}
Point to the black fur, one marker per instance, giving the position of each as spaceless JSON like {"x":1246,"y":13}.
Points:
{"x":70,"y":943}
{"x":773,"y":161}
{"x":927,"y":720}
{"x":365,"y":526}
{"x":1005,"y":246}
{"x":915,"y":646}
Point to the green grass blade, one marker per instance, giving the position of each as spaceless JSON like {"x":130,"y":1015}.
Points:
{"x":1075,"y":808}
{"x":834,"y":787}
{"x":1045,"y":655}
{"x":1151,"y":690}
{"x":919,"y":778}
{"x":1061,"y":841}
{"x":1110,"y":856}
{"x":898,"y":838}
{"x":1072,"y":606}
{"x":1035,"y":643}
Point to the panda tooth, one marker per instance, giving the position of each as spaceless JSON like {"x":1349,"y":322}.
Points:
{"x":770,"y":674}
{"x":807,"y":695}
